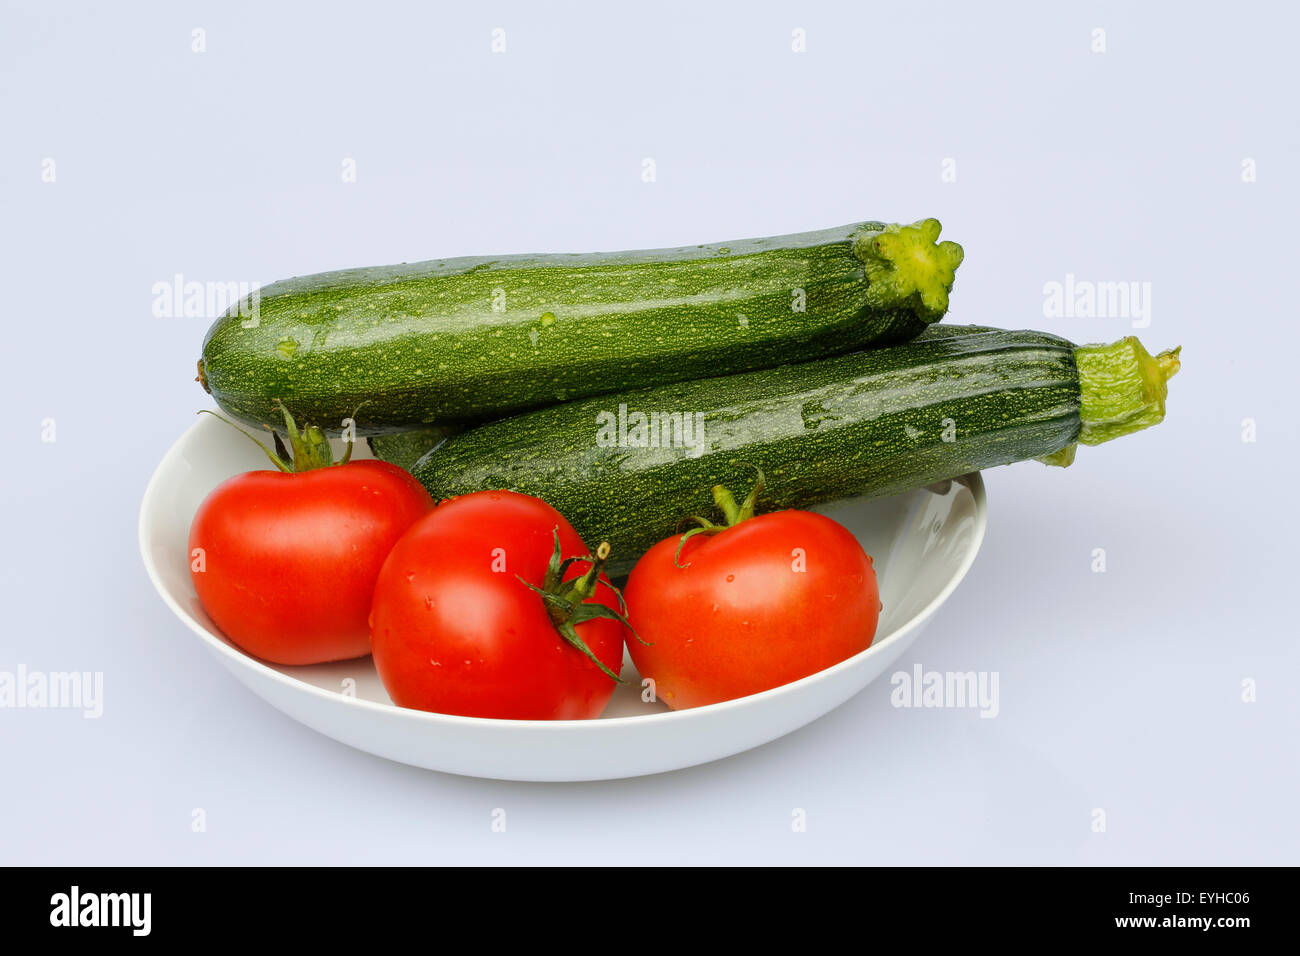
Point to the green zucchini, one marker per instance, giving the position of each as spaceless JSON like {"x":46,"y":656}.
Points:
{"x":468,"y":340}
{"x":955,"y":400}
{"x":405,"y":448}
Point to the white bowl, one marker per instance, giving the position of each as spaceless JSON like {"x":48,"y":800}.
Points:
{"x":923,"y":542}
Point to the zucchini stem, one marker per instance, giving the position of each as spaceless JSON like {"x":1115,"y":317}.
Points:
{"x":1122,"y":388}
{"x":907,"y":268}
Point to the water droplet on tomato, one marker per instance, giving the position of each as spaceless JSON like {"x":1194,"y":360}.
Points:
{"x":428,"y":603}
{"x":730,"y":578}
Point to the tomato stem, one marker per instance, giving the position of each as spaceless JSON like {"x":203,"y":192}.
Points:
{"x":726,"y":503}
{"x":307,"y":449}
{"x":276,"y":460}
{"x":732,"y":512}
{"x":585,"y":586}
{"x":568,"y":603}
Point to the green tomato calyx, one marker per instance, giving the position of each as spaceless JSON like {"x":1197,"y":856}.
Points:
{"x":568,"y":603}
{"x":732,"y":513}
{"x":308,"y":448}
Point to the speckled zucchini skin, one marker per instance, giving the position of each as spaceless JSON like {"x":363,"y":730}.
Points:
{"x":467,"y":340}
{"x":955,"y":400}
{"x":405,"y":448}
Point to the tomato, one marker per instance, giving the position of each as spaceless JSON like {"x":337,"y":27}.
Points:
{"x":455,"y":628}
{"x":285,"y":562}
{"x":764,"y":602}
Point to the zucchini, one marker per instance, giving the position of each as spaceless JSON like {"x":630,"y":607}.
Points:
{"x":405,"y":448}
{"x":878,"y":422}
{"x":467,"y":340}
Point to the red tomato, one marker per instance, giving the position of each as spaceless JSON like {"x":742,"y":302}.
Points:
{"x":455,"y":630}
{"x":289,"y":561}
{"x":765,"y":602}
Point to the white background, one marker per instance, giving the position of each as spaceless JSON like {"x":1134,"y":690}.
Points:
{"x":1119,"y":690}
